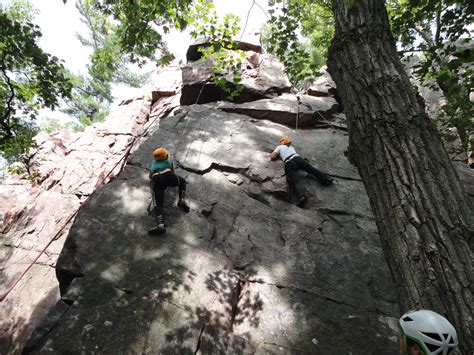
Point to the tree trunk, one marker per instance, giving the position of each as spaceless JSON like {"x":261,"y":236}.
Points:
{"x":425,"y":221}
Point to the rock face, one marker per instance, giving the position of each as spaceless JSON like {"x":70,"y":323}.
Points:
{"x":262,"y":77}
{"x":245,"y":271}
{"x":71,"y":166}
{"x":296,"y":111}
{"x":249,"y":42}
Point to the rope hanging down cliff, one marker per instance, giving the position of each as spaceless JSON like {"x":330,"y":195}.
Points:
{"x":152,"y":204}
{"x":187,"y":123}
{"x":100,"y":184}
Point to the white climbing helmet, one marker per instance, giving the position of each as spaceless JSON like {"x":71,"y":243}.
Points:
{"x":431,"y":331}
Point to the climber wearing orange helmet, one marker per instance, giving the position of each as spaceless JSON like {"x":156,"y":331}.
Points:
{"x":162,"y":176}
{"x":294,"y":162}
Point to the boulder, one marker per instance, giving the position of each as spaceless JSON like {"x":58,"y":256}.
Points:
{"x":262,"y":76}
{"x":288,"y":109}
{"x":321,"y":85}
{"x":167,"y":81}
{"x":248,"y":42}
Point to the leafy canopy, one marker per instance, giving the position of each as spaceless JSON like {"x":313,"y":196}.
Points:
{"x":141,"y":24}
{"x":30,"y":79}
{"x":92,"y":93}
{"x":221,"y":47}
{"x":299,"y":33}
{"x":440,"y":31}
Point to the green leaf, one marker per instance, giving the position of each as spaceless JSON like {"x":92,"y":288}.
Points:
{"x":30,"y":79}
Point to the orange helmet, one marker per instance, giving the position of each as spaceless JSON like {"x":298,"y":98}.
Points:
{"x":285,"y":140}
{"x":160,"y":153}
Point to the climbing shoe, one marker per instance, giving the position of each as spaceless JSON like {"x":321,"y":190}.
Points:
{"x":160,"y":227}
{"x":183,"y":205}
{"x":302,"y":201}
{"x":327,"y":180}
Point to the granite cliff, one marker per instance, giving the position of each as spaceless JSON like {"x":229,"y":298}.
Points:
{"x":245,"y":271}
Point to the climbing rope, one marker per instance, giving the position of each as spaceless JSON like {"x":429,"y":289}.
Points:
{"x":297,"y":111}
{"x":186,"y":126}
{"x":248,"y":15}
{"x":298,"y":100}
{"x":152,"y":204}
{"x":324,"y":118}
{"x":247,"y":19}
{"x":57,"y":235}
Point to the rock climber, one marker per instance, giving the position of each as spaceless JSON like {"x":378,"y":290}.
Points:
{"x":162,"y":176}
{"x":426,"y":332}
{"x":294,"y":162}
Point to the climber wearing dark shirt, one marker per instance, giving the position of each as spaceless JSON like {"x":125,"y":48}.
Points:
{"x":162,"y":176}
{"x":294,"y":162}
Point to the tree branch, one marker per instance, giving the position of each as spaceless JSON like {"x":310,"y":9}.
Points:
{"x":438,"y":26}
{"x":85,"y":14}
{"x":5,"y":120}
{"x":85,"y":91}
{"x":411,"y":50}
{"x":425,"y":35}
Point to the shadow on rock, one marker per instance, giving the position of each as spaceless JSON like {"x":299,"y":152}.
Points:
{"x":233,"y":303}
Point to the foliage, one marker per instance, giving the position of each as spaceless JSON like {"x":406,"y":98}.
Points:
{"x":89,"y":101}
{"x":142,"y":24}
{"x":299,"y":33}
{"x":441,"y":32}
{"x":18,"y":149}
{"x":30,"y":79}
{"x":16,"y":169}
{"x":434,"y":28}
{"x":52,"y":124}
{"x":220,"y":47}
{"x":107,"y":61}
{"x":34,"y":177}
{"x":92,"y":93}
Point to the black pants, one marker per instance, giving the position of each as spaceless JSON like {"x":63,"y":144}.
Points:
{"x":291,"y":170}
{"x":160,"y":183}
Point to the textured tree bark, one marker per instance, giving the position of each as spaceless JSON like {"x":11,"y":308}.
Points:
{"x":426,"y":223}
